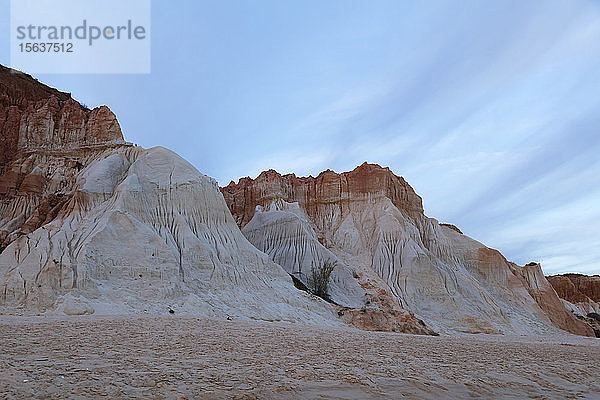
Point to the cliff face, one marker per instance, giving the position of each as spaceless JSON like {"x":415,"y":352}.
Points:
{"x":327,"y":187}
{"x":35,"y":117}
{"x":580,"y":292}
{"x":89,"y":223}
{"x":371,"y":223}
{"x":581,"y":295}
{"x":46,"y":139}
{"x":577,"y":288}
{"x":299,"y":245}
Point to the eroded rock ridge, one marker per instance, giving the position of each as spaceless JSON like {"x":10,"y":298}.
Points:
{"x":392,"y":259}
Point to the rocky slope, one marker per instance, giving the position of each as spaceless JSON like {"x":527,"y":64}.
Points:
{"x":578,"y":289}
{"x":580,"y":294}
{"x":391,"y":258}
{"x":90,"y":223}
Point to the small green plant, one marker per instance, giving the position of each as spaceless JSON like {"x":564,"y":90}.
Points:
{"x":320,"y":278}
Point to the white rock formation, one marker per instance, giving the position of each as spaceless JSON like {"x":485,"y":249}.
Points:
{"x":146,"y":232}
{"x":285,"y":234}
{"x":436,"y":280}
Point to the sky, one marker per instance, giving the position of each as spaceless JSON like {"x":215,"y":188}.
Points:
{"x":489,"y":109}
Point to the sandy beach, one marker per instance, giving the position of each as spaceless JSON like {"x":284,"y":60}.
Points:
{"x":185,"y":358}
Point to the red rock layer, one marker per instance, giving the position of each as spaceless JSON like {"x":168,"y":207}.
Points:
{"x":328,"y":187}
{"x":37,"y":122}
{"x":576,"y":288}
{"x":34,"y":117}
{"x":17,"y":92}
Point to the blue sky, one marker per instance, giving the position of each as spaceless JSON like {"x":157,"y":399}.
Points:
{"x":490,"y":110}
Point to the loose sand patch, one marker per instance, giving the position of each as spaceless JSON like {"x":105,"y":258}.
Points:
{"x":174,"y":357}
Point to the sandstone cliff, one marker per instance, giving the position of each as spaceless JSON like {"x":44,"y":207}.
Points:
{"x":577,"y":288}
{"x":580,"y":294}
{"x":372,"y":223}
{"x":47,"y":138}
{"x":89,"y":223}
